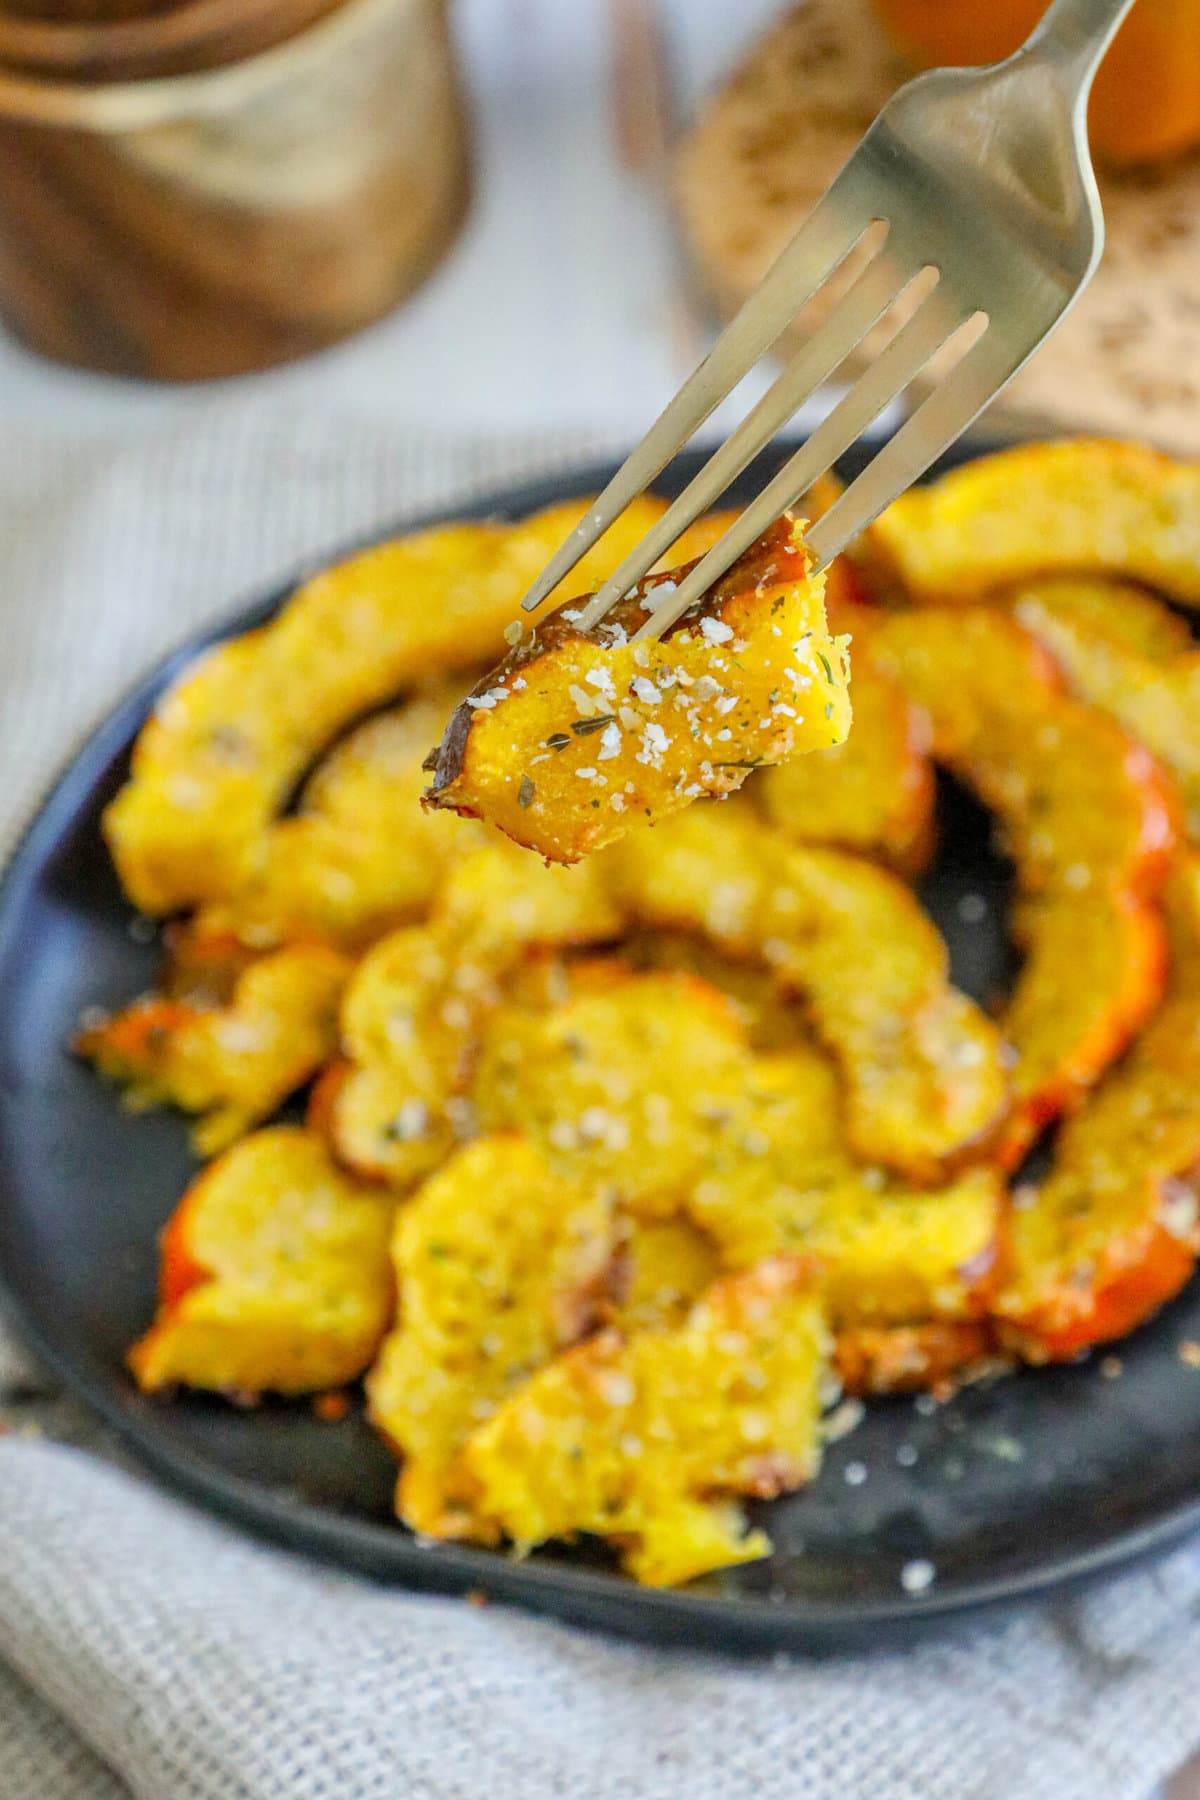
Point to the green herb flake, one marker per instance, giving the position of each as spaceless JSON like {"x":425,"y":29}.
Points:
{"x":525,"y":792}
{"x":747,"y":762}
{"x":829,"y":709}
{"x":824,"y":662}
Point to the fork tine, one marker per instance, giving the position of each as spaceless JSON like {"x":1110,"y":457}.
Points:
{"x":911,"y":348}
{"x":932,"y":428}
{"x":873,"y":292}
{"x":823,"y":242}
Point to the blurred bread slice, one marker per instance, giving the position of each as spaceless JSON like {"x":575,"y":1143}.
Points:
{"x":1127,"y":360}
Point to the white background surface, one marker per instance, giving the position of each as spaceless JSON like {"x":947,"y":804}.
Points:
{"x":564,"y":302}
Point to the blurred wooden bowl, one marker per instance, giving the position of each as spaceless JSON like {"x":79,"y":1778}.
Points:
{"x":215,"y":222}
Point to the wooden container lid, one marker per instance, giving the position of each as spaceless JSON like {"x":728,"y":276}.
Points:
{"x":88,"y":12}
{"x":127,"y":40}
{"x":1125,"y":361}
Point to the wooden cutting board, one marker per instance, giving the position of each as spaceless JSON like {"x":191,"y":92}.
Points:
{"x":1127,"y":360}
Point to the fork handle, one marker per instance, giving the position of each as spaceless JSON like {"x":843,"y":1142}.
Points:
{"x":1075,"y":34}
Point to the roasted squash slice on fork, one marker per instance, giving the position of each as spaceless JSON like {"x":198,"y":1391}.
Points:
{"x":577,"y":735}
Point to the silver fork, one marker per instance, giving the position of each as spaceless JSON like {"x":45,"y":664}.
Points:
{"x":974,"y":195}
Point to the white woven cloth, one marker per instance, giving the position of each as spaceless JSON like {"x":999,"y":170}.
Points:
{"x":148,"y":1651}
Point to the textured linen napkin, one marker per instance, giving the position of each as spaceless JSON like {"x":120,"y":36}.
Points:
{"x":146,"y":1650}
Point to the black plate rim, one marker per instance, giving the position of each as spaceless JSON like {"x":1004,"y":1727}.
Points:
{"x":581,"y":1595}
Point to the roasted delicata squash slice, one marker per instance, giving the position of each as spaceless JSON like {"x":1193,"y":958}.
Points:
{"x":648,"y":1440}
{"x":873,"y":794}
{"x":410,"y":1006}
{"x":497,"y":903}
{"x":1078,"y":800}
{"x":233,"y":1064}
{"x":499,"y":1264}
{"x":1089,"y":819}
{"x":1092,"y":973}
{"x":783,"y":1181}
{"x":923,"y":1069}
{"x":630,"y":1083}
{"x":664,"y":1266}
{"x":235,"y":733}
{"x":408,"y":1021}
{"x":1112,"y":1233}
{"x":890,"y":1257}
{"x":413,"y":1013}
{"x":577,"y":735}
{"x":1123,"y":615}
{"x":1155,"y":695}
{"x":1087,"y":506}
{"x":381,"y":1129}
{"x":748,"y":1149}
{"x":275,"y":1275}
{"x":771,"y":1018}
{"x":358,"y":857}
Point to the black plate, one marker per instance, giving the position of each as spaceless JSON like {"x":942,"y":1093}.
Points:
{"x":1035,"y":1480}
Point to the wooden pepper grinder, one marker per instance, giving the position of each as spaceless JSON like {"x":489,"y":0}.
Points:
{"x":206,"y":187}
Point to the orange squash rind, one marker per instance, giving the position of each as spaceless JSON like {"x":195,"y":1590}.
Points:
{"x":1090,"y":821}
{"x":901,"y":1359}
{"x":1112,"y":1233}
